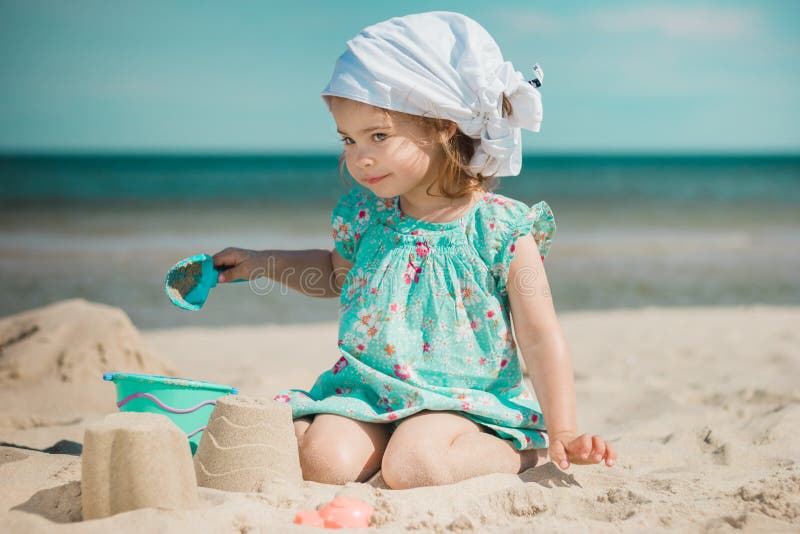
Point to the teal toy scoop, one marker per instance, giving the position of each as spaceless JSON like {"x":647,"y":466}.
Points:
{"x":187,"y":284}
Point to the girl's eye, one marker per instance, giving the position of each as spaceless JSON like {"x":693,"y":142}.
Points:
{"x":349,"y":141}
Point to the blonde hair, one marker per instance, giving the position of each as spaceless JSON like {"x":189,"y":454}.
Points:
{"x":455,"y":181}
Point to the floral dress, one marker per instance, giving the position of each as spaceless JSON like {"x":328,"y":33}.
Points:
{"x":424,"y":317}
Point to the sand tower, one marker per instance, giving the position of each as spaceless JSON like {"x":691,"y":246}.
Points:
{"x":248,"y":445}
{"x":135,"y":460}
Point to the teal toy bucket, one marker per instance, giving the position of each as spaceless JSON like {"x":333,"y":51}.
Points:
{"x":188,"y":403}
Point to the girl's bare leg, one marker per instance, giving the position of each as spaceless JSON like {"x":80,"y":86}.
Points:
{"x":336,"y":450}
{"x":433,"y":448}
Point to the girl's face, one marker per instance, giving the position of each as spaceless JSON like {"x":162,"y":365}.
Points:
{"x":389,"y":155}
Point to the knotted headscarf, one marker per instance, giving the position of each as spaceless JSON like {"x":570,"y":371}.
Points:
{"x":445,"y":65}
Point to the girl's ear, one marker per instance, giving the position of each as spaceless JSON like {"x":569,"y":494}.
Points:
{"x":451,"y":130}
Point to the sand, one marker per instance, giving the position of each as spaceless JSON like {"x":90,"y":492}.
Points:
{"x":702,"y":404}
{"x":183,"y":279}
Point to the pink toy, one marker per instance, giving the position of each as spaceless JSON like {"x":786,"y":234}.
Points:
{"x":341,"y":512}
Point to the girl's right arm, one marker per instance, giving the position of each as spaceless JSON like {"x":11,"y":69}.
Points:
{"x":313,"y":272}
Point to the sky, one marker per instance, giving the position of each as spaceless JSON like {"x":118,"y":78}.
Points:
{"x":245,"y":76}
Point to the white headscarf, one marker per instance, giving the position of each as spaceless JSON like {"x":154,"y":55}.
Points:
{"x":445,"y":65}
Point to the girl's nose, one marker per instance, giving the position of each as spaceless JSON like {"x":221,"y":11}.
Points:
{"x":364,"y":158}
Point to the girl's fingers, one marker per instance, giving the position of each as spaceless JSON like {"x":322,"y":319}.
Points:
{"x":598,"y":449}
{"x":225,"y":258}
{"x":233,"y":273}
{"x":580,"y":447}
{"x":558,"y":454}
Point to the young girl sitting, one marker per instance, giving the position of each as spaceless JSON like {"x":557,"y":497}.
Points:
{"x":431,"y":268}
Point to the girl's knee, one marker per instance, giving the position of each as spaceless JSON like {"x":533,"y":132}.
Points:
{"x":329,"y":461}
{"x":406,"y":468}
{"x":336,"y":450}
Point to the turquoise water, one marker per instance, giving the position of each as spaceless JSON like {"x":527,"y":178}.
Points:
{"x":632,"y":231}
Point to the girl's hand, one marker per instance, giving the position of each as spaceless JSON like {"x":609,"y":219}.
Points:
{"x":568,"y":447}
{"x":237,"y":264}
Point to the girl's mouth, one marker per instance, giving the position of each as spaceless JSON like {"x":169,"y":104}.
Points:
{"x":376,"y":179}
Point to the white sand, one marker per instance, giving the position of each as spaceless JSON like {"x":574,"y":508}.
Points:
{"x":703,"y":405}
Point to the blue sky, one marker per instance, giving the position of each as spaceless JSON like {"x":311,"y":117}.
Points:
{"x":245,"y":76}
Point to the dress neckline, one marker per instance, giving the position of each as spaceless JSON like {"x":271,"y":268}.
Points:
{"x":405,"y":220}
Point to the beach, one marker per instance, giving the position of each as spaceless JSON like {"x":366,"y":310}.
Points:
{"x":675,"y":281}
{"x":702,"y":404}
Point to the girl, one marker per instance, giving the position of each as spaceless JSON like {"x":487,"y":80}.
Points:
{"x":431,"y":268}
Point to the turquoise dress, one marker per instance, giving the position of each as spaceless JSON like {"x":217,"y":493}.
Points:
{"x":424,"y":317}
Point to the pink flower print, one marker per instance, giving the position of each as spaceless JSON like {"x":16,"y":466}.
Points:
{"x":503,"y":363}
{"x":518,"y":417}
{"x":340,"y":343}
{"x":475,"y":325}
{"x":534,"y":418}
{"x":489,"y":314}
{"x":422,"y":249}
{"x":512,"y":248}
{"x":339,"y":365}
{"x":393,"y":307}
{"x":426,"y":347}
{"x":482,"y":361}
{"x":281,"y":398}
{"x":466,"y":406}
{"x":387,"y":387}
{"x":342,"y":391}
{"x":411,"y":270}
{"x":391,"y":416}
{"x":363,"y":215}
{"x":402,"y":372}
{"x":527,"y":439}
{"x":360,"y":347}
{"x":373,"y":291}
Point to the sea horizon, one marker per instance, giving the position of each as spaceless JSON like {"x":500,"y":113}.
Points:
{"x":632,"y":230}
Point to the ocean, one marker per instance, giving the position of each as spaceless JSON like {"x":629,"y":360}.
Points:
{"x":632,"y":231}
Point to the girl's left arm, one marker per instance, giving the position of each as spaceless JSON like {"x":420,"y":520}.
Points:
{"x":544,"y":349}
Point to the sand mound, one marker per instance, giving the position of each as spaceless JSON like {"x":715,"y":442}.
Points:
{"x":73,"y":341}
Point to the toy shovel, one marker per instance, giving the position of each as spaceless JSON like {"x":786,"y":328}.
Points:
{"x":187,"y":284}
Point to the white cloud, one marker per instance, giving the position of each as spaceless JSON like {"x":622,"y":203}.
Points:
{"x":680,"y":21}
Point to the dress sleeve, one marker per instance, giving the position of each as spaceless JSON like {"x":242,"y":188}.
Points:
{"x":349,"y":220}
{"x":537,"y":220}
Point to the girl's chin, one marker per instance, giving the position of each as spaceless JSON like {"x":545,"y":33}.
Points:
{"x":380,"y":191}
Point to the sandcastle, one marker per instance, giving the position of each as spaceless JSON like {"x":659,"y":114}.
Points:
{"x":248,"y":445}
{"x":135,"y":460}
